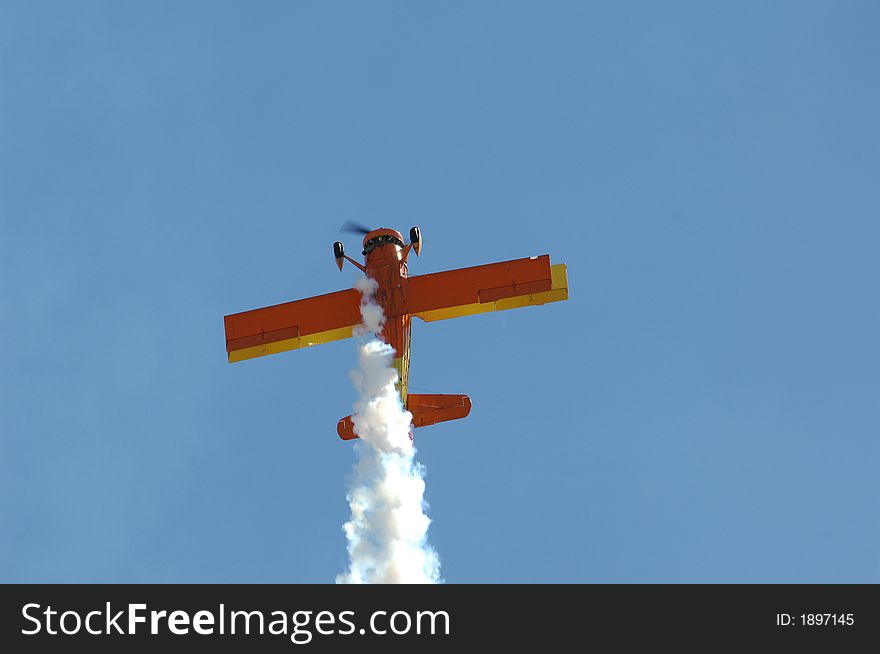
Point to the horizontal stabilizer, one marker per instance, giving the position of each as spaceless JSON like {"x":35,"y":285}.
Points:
{"x":431,"y":409}
{"x":426,"y":410}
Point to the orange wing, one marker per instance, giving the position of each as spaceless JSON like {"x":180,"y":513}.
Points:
{"x":493,"y":287}
{"x":292,"y":325}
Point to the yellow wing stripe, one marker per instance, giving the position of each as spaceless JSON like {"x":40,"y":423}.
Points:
{"x":290,"y":344}
{"x":557,"y":293}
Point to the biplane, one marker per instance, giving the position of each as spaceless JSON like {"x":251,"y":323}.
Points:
{"x":435,"y":296}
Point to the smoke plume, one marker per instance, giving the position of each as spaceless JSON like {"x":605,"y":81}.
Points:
{"x":388,"y":530}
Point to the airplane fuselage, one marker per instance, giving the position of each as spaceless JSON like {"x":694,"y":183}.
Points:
{"x":385,"y":262}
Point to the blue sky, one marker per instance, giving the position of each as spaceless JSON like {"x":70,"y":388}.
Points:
{"x":704,"y":408}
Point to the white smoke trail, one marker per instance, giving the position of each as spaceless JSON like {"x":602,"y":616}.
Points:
{"x":388,"y":530}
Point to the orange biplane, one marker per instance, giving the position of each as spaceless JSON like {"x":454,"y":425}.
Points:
{"x":436,"y":296}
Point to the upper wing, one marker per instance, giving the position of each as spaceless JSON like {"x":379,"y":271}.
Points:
{"x":493,"y":287}
{"x":292,"y":325}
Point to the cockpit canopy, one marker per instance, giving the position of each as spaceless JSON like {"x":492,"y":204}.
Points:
{"x":380,"y":241}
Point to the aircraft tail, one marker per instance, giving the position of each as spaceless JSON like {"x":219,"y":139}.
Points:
{"x":426,"y":410}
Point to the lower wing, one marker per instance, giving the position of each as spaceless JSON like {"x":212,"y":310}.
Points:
{"x":493,"y":287}
{"x":292,"y":325}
